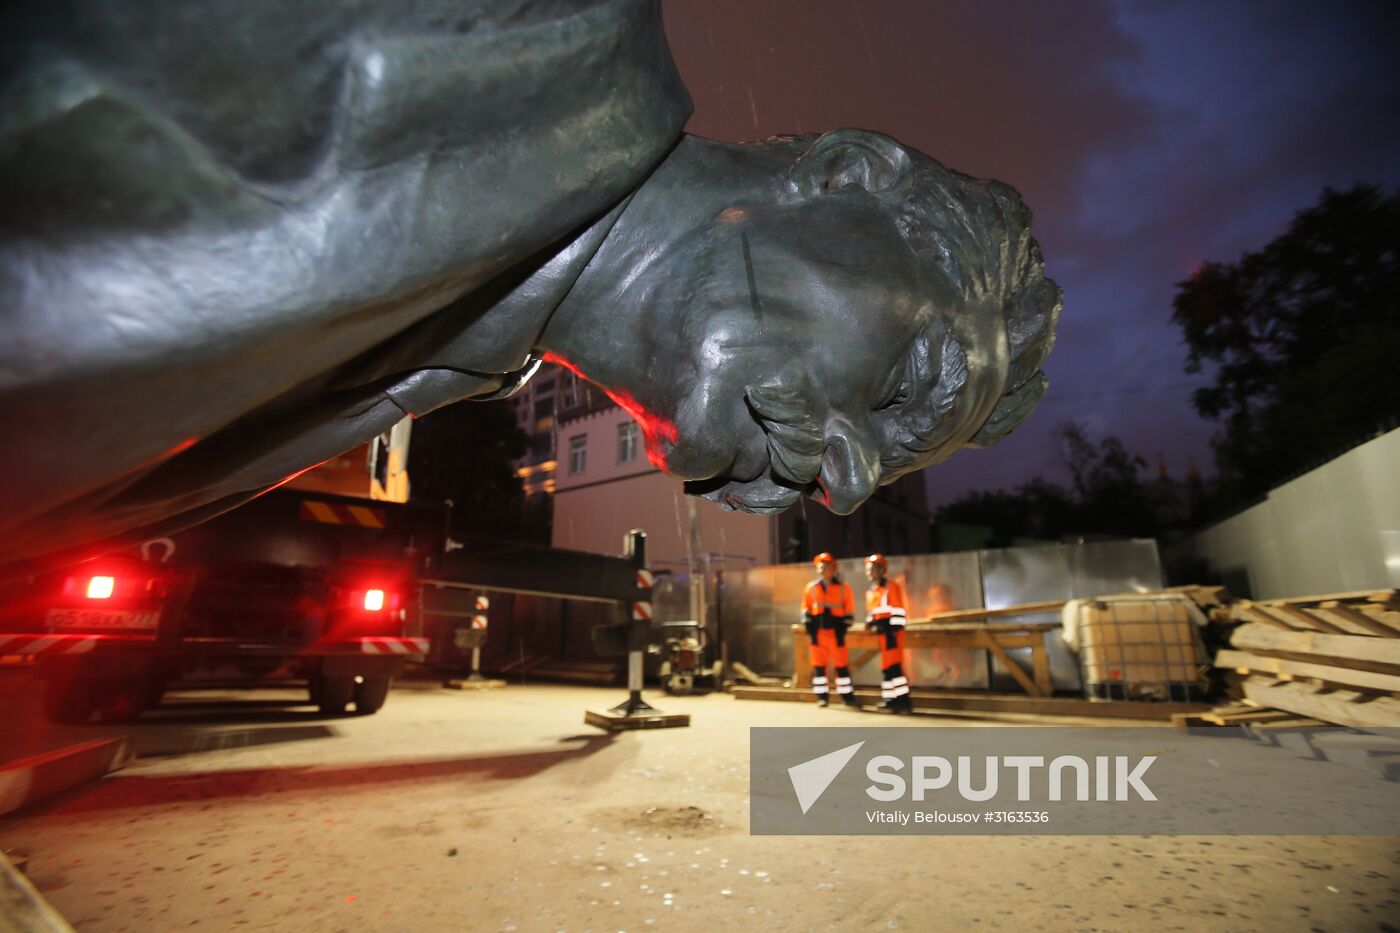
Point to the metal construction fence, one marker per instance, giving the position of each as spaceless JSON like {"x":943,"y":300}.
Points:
{"x":756,"y":608}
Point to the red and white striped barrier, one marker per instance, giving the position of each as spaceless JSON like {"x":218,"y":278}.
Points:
{"x":641,"y":612}
{"x":483,"y":603}
{"x":393,"y":645}
{"x":47,"y":644}
{"x":645,"y":579}
{"x":330,"y":513}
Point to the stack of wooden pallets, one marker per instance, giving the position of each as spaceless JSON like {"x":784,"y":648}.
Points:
{"x":1314,"y":660}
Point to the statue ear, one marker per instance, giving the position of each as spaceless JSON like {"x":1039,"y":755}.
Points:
{"x":850,"y":157}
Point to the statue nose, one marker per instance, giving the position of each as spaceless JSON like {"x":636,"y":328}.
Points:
{"x":850,"y":467}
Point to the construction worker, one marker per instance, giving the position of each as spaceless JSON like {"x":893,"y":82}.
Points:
{"x":828,"y":607}
{"x":885,"y":613}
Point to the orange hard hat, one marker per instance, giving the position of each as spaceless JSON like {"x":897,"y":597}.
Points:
{"x":823,"y":558}
{"x":878,"y":559}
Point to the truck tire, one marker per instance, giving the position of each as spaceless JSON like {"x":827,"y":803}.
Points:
{"x":370,"y":694}
{"x":123,"y":700}
{"x":333,"y":694}
{"x":69,"y":700}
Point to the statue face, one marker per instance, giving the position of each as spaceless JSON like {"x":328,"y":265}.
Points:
{"x":795,"y":317}
{"x":802,"y":323}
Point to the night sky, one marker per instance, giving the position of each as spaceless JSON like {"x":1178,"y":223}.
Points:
{"x":1146,"y":137}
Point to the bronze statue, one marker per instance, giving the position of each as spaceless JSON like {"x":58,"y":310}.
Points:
{"x":240,"y":239}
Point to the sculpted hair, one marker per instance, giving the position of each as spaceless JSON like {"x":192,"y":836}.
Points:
{"x":978,"y":234}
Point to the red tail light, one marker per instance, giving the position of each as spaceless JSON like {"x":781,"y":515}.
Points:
{"x":101,"y":587}
{"x":374,"y":600}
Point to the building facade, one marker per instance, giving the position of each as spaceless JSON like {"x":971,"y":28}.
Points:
{"x":537,"y":408}
{"x":603,"y":485}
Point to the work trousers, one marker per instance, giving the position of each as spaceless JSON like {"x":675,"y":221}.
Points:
{"x":893,"y":683}
{"x":830,"y":648}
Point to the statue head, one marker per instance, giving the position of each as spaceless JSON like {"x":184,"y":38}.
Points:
{"x":817,"y":316}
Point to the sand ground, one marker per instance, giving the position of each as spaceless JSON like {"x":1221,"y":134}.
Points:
{"x":500,"y":810}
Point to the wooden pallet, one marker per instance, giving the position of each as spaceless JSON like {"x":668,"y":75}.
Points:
{"x":1245,"y":714}
{"x":1286,"y":666}
{"x":1353,"y":708}
{"x":1370,"y":613}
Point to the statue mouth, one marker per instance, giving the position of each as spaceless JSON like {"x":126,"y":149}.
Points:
{"x":783,"y":477}
{"x":767,"y":495}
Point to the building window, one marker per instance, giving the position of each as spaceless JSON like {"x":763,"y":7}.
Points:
{"x":578,"y":454}
{"x":570,"y":391}
{"x":627,"y":434}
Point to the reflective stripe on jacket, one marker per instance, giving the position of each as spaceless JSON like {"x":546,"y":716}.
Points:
{"x":830,"y":604}
{"x":884,"y":602}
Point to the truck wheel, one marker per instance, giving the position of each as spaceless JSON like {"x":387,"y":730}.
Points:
{"x":123,"y":700}
{"x":69,"y":699}
{"x":333,"y":693}
{"x":371,"y":694}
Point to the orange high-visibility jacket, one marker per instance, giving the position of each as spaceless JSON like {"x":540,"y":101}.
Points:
{"x":885,"y":603}
{"x":829,"y":605}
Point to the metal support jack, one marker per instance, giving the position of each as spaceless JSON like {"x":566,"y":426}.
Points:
{"x":474,"y":680}
{"x":635,"y":712}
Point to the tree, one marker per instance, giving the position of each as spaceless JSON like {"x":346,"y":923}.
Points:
{"x":1303,"y":339}
{"x":465,"y":453}
{"x":1108,"y":496}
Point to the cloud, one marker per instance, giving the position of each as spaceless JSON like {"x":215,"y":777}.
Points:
{"x":1016,"y":91}
{"x":1147,"y":137}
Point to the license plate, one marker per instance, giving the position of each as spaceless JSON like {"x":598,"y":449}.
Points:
{"x":101,"y":618}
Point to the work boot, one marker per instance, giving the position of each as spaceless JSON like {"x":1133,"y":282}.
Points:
{"x":902,"y":705}
{"x":850,"y":700}
{"x":823,"y":699}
